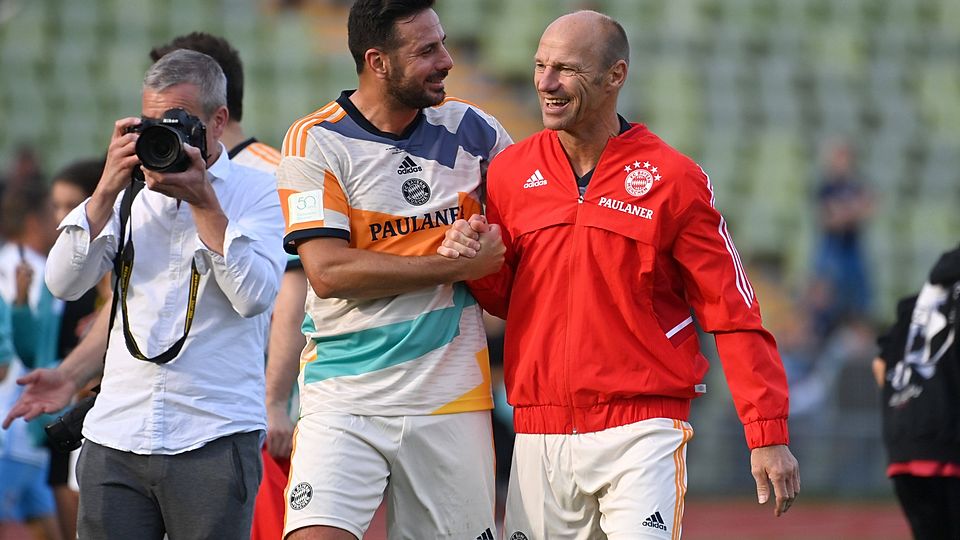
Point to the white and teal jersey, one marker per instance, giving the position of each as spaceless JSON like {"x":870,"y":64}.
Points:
{"x":422,"y":352}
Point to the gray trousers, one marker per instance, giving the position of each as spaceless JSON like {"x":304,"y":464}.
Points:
{"x":200,"y":494}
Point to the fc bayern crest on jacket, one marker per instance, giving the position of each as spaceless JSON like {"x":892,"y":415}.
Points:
{"x":640,"y":177}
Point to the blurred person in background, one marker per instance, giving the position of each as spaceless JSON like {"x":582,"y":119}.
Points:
{"x":285,"y":339}
{"x":612,"y":240}
{"x":70,"y":187}
{"x":23,"y":169}
{"x":6,"y":339}
{"x":395,"y":384}
{"x":11,"y":523}
{"x":918,"y":371}
{"x":28,"y":224}
{"x":841,"y":283}
{"x":181,"y":406}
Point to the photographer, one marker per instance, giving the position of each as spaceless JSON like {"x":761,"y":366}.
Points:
{"x":172,"y":442}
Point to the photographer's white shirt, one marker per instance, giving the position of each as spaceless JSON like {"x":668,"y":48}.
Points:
{"x":215,"y":386}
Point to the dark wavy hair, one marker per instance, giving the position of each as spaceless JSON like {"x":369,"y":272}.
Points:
{"x":372,"y":24}
{"x":85,"y":174}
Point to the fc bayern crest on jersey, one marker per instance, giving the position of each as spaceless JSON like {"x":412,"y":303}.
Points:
{"x":640,"y":177}
{"x":415,"y":191}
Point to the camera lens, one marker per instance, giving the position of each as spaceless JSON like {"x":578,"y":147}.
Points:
{"x":159,"y":148}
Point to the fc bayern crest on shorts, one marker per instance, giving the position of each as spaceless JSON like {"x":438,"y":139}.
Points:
{"x":300,"y":496}
{"x":640,"y":177}
{"x":415,"y":191}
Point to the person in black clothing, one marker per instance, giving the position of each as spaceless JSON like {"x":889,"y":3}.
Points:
{"x":918,"y":370}
{"x":70,"y":187}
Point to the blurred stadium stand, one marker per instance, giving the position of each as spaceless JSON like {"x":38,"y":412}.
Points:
{"x":752,"y":89}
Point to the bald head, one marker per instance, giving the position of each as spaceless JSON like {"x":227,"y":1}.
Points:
{"x":597,"y":31}
{"x":579,"y":67}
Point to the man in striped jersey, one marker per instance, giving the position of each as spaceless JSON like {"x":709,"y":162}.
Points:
{"x":612,"y":239}
{"x":395,"y":381}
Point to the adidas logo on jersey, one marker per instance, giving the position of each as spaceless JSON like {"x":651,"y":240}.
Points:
{"x":655,"y":521}
{"x":486,"y":535}
{"x":408,"y":166}
{"x":536,"y":180}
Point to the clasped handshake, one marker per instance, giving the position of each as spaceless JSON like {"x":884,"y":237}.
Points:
{"x":477,"y":240}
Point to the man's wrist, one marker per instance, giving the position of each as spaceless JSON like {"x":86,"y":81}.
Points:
{"x":454,"y":270}
{"x":98,"y":209}
{"x":279,"y":405}
{"x":75,"y":375}
{"x":71,"y":378}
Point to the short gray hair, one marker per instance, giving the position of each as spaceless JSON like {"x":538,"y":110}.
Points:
{"x":615,"y":46}
{"x":192,"y":67}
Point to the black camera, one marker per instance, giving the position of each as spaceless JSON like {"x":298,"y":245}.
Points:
{"x":66,"y":432}
{"x":160,"y":146}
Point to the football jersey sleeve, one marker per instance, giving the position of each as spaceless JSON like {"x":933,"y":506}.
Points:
{"x":312,"y":198}
{"x":503,"y":138}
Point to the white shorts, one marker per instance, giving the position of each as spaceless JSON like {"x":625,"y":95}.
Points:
{"x":620,"y":483}
{"x":437,"y":473}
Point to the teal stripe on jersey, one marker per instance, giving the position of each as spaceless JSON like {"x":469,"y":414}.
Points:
{"x":307,"y":326}
{"x":385,"y":346}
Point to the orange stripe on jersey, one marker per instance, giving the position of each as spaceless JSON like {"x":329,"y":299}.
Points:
{"x":332,"y":117}
{"x":297,"y":131}
{"x":419,"y":234}
{"x":337,"y":117}
{"x":299,"y":145}
{"x":468,"y":401}
{"x":264,"y":152}
{"x":457,"y":100}
{"x":284,"y":205}
{"x":399,"y":235}
{"x":470,"y":205}
{"x":286,"y":490}
{"x":333,"y":196}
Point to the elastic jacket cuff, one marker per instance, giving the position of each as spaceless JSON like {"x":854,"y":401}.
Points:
{"x":766,"y":433}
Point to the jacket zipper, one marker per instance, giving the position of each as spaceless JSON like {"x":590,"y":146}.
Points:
{"x":577,"y":231}
{"x":570,"y":283}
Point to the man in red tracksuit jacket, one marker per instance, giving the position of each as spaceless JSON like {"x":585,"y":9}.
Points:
{"x":611,"y":239}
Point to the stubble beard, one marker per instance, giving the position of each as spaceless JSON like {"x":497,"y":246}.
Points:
{"x":410,"y":94}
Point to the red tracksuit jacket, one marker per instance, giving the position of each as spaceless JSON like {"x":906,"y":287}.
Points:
{"x":597,"y":291}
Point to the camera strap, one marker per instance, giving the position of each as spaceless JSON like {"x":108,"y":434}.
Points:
{"x":123,"y":269}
